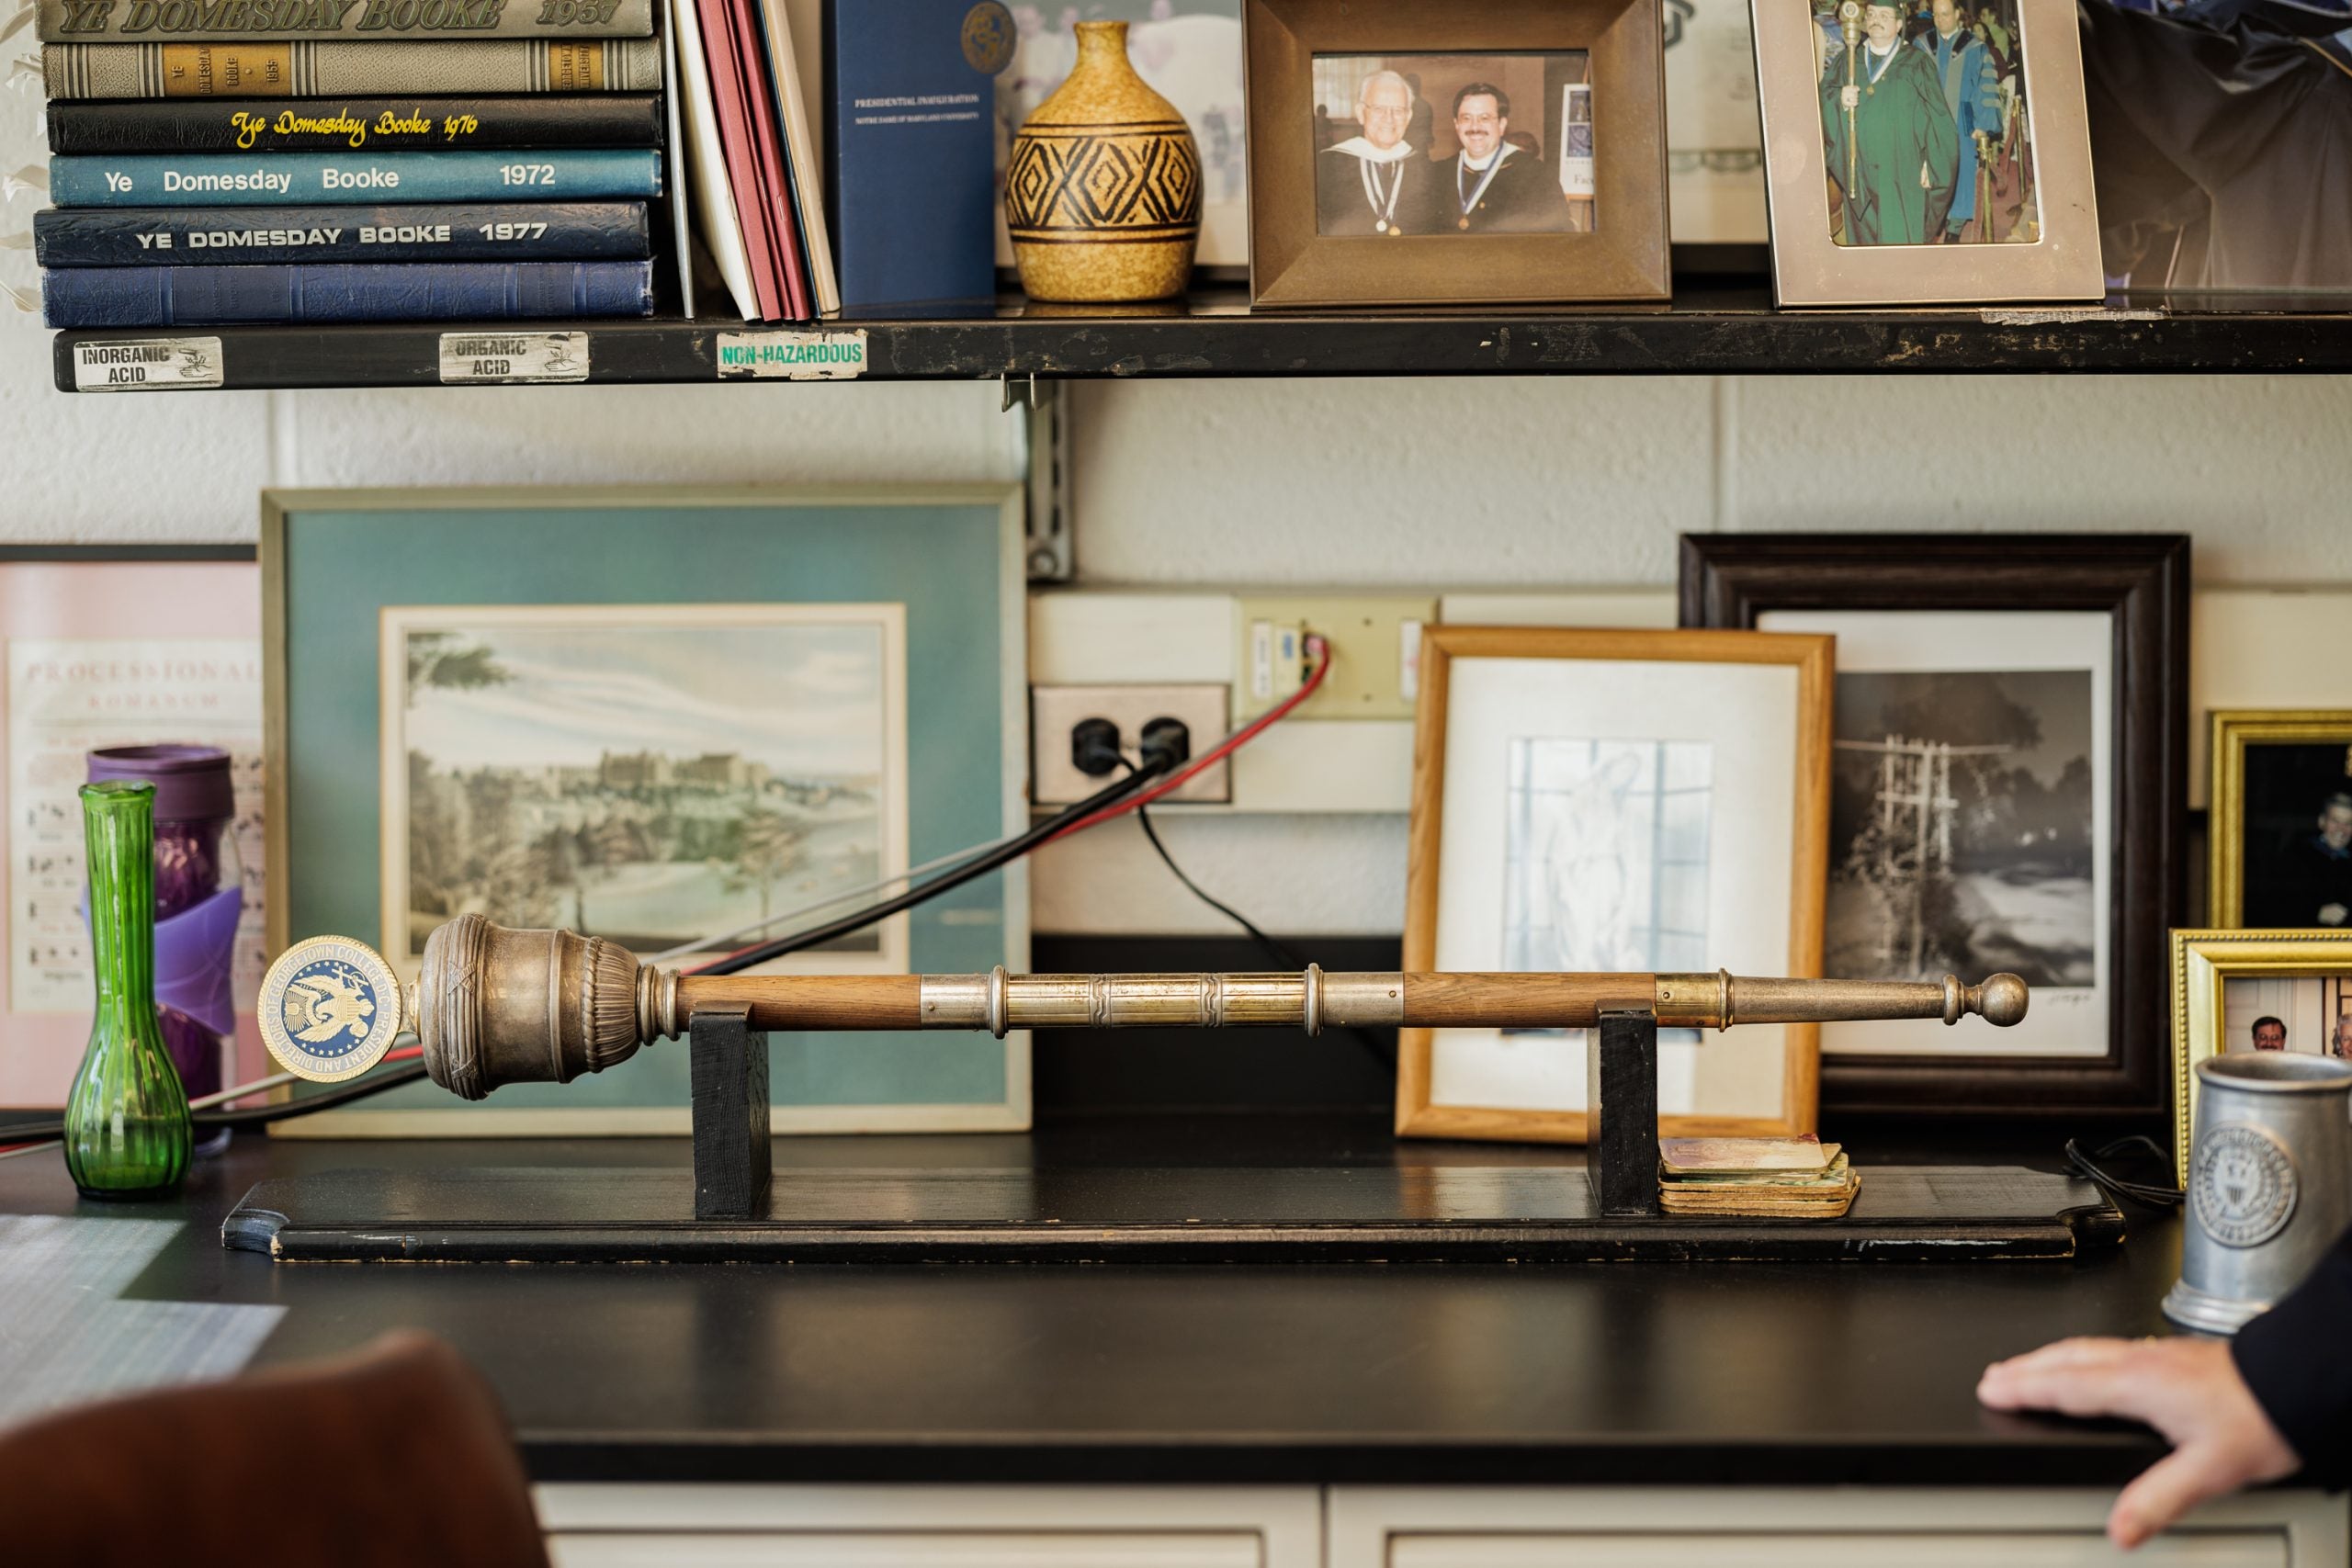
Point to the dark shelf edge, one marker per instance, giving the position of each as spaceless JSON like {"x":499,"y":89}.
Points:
{"x":1713,"y":330}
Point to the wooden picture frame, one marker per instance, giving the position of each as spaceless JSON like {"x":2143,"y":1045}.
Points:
{"x":1622,"y":258}
{"x":2202,"y":964}
{"x":2138,"y":584}
{"x":1728,"y":692}
{"x":1810,"y":266}
{"x":941,"y":565}
{"x":2235,"y":732}
{"x":196,"y":609}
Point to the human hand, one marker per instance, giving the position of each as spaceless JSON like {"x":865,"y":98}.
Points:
{"x":2189,"y":1390}
{"x":1850,"y":97}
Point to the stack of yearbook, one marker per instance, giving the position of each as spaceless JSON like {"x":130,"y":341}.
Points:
{"x":1765,"y":1178}
{"x":238,"y":160}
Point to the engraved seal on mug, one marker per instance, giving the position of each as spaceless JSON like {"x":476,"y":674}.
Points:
{"x":2242,"y":1185}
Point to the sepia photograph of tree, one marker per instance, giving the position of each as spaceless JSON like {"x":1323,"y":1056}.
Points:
{"x":1961,"y":827}
{"x":611,"y":770}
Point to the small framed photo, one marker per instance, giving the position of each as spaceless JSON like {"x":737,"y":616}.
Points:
{"x":2010,"y":767}
{"x":1926,"y":151}
{"x":1428,"y":153}
{"x":2282,"y":822}
{"x":2254,"y":990}
{"x":1639,"y":801}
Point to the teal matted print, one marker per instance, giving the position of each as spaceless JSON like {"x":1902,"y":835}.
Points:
{"x":658,"y":717}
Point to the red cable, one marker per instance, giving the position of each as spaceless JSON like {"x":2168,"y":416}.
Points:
{"x":1224,"y":749}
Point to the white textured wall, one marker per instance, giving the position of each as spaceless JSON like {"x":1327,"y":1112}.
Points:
{"x":1433,"y":483}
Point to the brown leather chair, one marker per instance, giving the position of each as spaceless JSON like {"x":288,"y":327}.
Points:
{"x":397,"y":1456}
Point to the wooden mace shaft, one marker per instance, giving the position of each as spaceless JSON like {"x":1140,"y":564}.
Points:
{"x":496,"y":1006}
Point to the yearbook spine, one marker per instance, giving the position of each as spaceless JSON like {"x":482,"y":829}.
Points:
{"x":200,"y":236}
{"x":75,"y":71}
{"x":449,"y":292}
{"x":293,"y":178}
{"x":235,"y":21}
{"x":355,"y":125}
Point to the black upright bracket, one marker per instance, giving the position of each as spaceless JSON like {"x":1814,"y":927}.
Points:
{"x":1620,"y":1097}
{"x":730,"y":1086}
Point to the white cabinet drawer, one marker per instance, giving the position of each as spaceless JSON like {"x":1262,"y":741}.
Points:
{"x":713,"y":1525}
{"x":2081,"y":1548}
{"x":910,"y":1549}
{"x":1815,"y":1526}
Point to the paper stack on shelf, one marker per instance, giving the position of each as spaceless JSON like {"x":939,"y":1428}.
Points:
{"x":390,"y":160}
{"x":1790,"y":1178}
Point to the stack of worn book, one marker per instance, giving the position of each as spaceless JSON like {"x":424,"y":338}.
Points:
{"x":225,"y":161}
{"x":1782,"y":1178}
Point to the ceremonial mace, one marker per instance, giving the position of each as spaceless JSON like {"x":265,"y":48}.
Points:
{"x":496,"y":1006}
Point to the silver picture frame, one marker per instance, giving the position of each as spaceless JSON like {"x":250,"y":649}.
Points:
{"x":1812,"y":268}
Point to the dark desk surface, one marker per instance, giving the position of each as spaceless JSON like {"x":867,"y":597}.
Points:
{"x":1608,"y":1374}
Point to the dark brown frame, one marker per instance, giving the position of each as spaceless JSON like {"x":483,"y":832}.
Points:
{"x":2141,"y":580}
{"x":1623,"y":259}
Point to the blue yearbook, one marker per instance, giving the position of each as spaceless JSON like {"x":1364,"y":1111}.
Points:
{"x":910,"y":139}
{"x":289,"y":179}
{"x":331,"y":292}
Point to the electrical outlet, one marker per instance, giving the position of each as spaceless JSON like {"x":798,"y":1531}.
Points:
{"x":1054,"y":711}
{"x":1376,"y":647}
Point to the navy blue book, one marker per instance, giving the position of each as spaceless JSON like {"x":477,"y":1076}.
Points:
{"x":910,"y":145}
{"x":259,"y":179}
{"x":221,"y":236}
{"x":423,"y":291}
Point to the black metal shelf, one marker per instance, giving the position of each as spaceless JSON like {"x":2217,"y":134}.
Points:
{"x":1712,"y":328}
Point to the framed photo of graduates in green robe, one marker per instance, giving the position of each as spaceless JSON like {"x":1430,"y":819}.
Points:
{"x":1926,"y":151}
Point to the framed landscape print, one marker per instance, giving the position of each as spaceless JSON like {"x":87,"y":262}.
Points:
{"x":1611,"y":801}
{"x":2007,"y":795}
{"x":1425,"y":152}
{"x":2253,"y":990}
{"x":113,"y":644}
{"x":535,"y":704}
{"x":1925,"y":154}
{"x":2281,"y":819}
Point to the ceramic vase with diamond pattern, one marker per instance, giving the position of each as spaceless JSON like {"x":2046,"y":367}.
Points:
{"x":1102,"y":192}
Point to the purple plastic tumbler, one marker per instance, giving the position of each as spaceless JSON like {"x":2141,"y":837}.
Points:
{"x":196,"y":915}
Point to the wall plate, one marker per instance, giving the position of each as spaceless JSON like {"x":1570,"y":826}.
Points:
{"x":1054,"y":711}
{"x":1369,"y":653}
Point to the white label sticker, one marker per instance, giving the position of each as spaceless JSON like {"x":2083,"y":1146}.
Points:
{"x":146,"y":363}
{"x":792,"y":356}
{"x":509,"y":358}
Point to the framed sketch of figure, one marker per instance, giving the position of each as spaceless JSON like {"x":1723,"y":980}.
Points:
{"x":1926,"y":151}
{"x":1615,"y":800}
{"x":2282,"y":826}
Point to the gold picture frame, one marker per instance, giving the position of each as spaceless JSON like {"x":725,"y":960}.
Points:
{"x":2233,"y":731}
{"x":1791,"y":862}
{"x":2202,"y":964}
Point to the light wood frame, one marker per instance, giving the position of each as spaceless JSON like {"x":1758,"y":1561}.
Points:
{"x":1812,"y":656}
{"x":2203,"y":962}
{"x":2233,"y":730}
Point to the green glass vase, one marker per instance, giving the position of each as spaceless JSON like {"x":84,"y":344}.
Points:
{"x":127,"y":1132}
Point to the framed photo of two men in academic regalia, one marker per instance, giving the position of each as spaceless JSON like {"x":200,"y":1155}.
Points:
{"x":1923,"y":152}
{"x":1428,"y":152}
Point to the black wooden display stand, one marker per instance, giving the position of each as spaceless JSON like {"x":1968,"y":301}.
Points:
{"x":1620,"y":1105}
{"x":730,"y":1086}
{"x":1406,"y":1209}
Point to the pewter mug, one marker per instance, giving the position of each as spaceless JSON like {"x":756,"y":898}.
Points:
{"x":2269,"y":1184}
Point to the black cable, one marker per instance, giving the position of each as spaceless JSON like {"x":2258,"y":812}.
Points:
{"x":1283,"y":955}
{"x":2088,"y":1166}
{"x":259,"y":1116}
{"x":953,"y":878}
